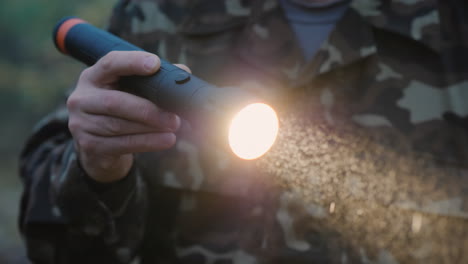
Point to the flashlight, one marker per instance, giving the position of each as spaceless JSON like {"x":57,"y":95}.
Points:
{"x":239,"y":120}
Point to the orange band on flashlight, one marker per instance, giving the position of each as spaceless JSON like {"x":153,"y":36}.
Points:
{"x":63,"y":31}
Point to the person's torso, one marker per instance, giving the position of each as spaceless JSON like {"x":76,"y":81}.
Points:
{"x":370,"y":162}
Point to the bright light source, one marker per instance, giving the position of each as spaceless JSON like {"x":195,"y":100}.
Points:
{"x":253,"y":131}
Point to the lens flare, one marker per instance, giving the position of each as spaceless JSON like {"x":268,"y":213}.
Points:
{"x":253,"y":131}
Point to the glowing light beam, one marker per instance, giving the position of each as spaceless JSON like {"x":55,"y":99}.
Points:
{"x":253,"y":131}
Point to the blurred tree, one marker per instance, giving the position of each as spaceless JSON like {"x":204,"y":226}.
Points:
{"x":34,"y":77}
{"x":29,"y":64}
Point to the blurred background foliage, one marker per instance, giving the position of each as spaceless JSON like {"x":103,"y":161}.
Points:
{"x":34,"y":78}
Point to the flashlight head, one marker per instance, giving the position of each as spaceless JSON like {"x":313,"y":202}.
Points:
{"x":253,"y":131}
{"x":237,"y":120}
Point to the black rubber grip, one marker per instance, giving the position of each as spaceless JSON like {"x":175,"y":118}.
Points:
{"x":170,"y":88}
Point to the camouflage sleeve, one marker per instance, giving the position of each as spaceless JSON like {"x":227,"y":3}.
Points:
{"x":66,"y":217}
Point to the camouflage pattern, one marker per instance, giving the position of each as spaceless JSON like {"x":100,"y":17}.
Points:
{"x":370,"y":165}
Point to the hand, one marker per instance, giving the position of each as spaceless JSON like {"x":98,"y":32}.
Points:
{"x":108,"y":125}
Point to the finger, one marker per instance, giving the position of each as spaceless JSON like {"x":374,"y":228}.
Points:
{"x":108,"y":126}
{"x":120,"y":145}
{"x":121,"y":63}
{"x":123,"y":105}
{"x":184,"y":67}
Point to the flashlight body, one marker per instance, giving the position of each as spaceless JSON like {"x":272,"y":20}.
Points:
{"x":171,"y":88}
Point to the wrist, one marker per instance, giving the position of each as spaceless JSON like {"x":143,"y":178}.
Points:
{"x":106,"y":169}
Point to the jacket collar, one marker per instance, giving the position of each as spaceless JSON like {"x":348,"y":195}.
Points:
{"x":271,"y":42}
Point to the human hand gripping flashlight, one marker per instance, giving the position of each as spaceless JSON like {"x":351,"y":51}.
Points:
{"x":234,"y":118}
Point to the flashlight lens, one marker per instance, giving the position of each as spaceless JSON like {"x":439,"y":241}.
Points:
{"x":253,"y":131}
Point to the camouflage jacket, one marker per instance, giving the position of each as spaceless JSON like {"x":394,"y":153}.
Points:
{"x":370,"y":165}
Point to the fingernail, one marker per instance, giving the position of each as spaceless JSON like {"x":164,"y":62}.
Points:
{"x":149,"y":63}
{"x":170,"y":120}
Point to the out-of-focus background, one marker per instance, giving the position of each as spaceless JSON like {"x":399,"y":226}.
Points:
{"x":33,"y":80}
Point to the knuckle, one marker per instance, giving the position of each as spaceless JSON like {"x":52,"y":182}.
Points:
{"x":109,"y":102}
{"x":73,"y":102}
{"x":85,"y":74}
{"x":146,"y":114}
{"x":106,"y":63}
{"x":74,"y":126}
